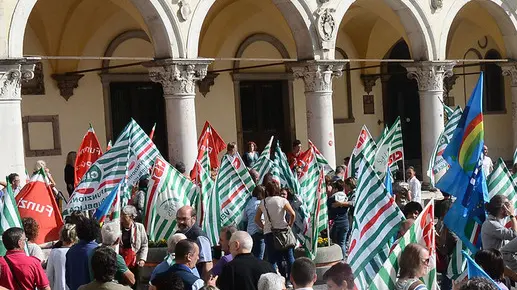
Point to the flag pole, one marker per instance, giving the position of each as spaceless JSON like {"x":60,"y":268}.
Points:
{"x":404,"y":167}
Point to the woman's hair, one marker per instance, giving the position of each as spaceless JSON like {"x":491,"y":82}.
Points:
{"x":339,"y":185}
{"x":290,"y":195}
{"x":268,"y":177}
{"x":31,"y":228}
{"x":130,"y":211}
{"x":231,"y":146}
{"x":495,"y":205}
{"x":491,"y":261}
{"x":272,"y":189}
{"x":351,"y":182}
{"x":75,"y":218}
{"x":254,"y":145}
{"x":340,"y":273}
{"x":409,"y":261}
{"x":70,"y":158}
{"x":39,"y":164}
{"x":67,"y":233}
{"x":259,"y":192}
{"x":88,"y":229}
{"x":478,"y":284}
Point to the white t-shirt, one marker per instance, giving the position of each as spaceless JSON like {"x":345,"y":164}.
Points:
{"x":487,"y":165}
{"x":415,"y":188}
{"x":275,"y":208}
{"x":35,"y":251}
{"x":56,"y":268}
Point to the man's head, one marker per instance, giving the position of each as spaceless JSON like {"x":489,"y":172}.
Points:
{"x":14,"y":239}
{"x":128,"y":215}
{"x":297,"y":146}
{"x":231,"y":148}
{"x":187,"y":253}
{"x":104,"y":264}
{"x":271,"y":281}
{"x":168,"y":281}
{"x":225,"y":236}
{"x":111,"y":233}
{"x":185,"y":218}
{"x":88,"y":229}
{"x":14,"y":180}
{"x":412,"y":210}
{"x":340,"y":171}
{"x":303,"y":273}
{"x":485,"y":150}
{"x":240,"y":243}
{"x":254,"y":175}
{"x":173,"y":241}
{"x":410,"y":172}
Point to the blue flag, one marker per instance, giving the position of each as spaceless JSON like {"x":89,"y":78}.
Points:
{"x":103,"y":210}
{"x":474,"y":270}
{"x":466,"y":146}
{"x":388,"y":181}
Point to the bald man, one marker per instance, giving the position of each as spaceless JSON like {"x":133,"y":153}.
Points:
{"x":187,"y":225}
{"x":244,"y":271}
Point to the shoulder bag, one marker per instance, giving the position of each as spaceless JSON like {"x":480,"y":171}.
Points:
{"x":283,"y":238}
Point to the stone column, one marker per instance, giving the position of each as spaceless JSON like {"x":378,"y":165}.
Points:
{"x":317,"y":76}
{"x":430,"y":76}
{"x":12,"y":73}
{"x":178,"y":78}
{"x":510,"y":70}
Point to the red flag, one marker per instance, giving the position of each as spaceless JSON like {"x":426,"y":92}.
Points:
{"x":89,"y":151}
{"x":216,"y":144}
{"x":151,"y":135}
{"x":36,"y":200}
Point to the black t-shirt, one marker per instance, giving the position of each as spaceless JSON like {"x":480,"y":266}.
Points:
{"x":243,"y":272}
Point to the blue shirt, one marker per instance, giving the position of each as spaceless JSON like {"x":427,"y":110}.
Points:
{"x":163,"y":267}
{"x":77,"y":268}
{"x":249,"y":216}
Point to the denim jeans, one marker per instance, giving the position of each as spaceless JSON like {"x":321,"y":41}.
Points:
{"x":339,"y":233}
{"x":258,"y":245}
{"x":276,"y":257}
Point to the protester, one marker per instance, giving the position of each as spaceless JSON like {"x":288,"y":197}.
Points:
{"x":111,"y":234}
{"x":252,"y":155}
{"x":339,"y":174}
{"x":401,"y":191}
{"x":491,"y":261}
{"x":70,"y":172}
{"x":104,"y":267}
{"x":186,"y":222}
{"x":478,"y":284}
{"x":17,"y":270}
{"x":249,"y":217}
{"x":293,"y":157}
{"x":339,"y":277}
{"x":14,"y":181}
{"x":231,"y":150}
{"x":271,"y":281}
{"x":31,"y":228}
{"x":303,"y":273}
{"x":415,"y":189}
{"x":244,"y":271}
{"x":274,"y":209}
{"x":413,"y":264}
{"x":172,"y":281}
{"x":133,"y":245}
{"x":78,"y":257}
{"x":412,"y":209}
{"x":350,"y":186}
{"x":255,"y":176}
{"x":445,"y":241}
{"x":57,"y":258}
{"x":139,"y":200}
{"x":338,"y":206}
{"x":488,"y":165}
{"x":170,"y":259}
{"x":494,"y":234}
{"x":224,"y":242}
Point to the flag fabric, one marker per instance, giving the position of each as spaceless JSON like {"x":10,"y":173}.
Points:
{"x":448,"y":110}
{"x":110,"y":207}
{"x":227,"y":203}
{"x":9,"y":215}
{"x":437,"y":165}
{"x":168,"y":190}
{"x":389,"y":149}
{"x":286,"y":175}
{"x":320,"y":159}
{"x":108,"y":147}
{"x":388,"y":183}
{"x":132,"y":155}
{"x":151,"y":134}
{"x":365,"y":147}
{"x":500,"y":182}
{"x":421,"y":232}
{"x":205,"y":185}
{"x":376,"y":220}
{"x":36,"y":200}
{"x":458,"y":264}
{"x":465,"y":148}
{"x":264,"y":163}
{"x":89,"y":151}
{"x":515,"y":156}
{"x":242,"y":171}
{"x":215,"y":146}
{"x":474,"y":270}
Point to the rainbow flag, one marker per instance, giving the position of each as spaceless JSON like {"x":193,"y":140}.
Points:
{"x":465,"y":148}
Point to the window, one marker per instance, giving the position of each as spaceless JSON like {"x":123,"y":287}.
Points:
{"x":493,"y":95}
{"x":342,"y":93}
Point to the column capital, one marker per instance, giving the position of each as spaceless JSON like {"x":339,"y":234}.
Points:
{"x":510,"y":70}
{"x":178,"y":76}
{"x":12,"y":73}
{"x":317,"y":74}
{"x":429,"y":74}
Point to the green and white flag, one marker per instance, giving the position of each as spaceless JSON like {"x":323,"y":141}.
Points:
{"x":132,"y":155}
{"x":390,"y":149}
{"x":500,"y":182}
{"x":458,"y":264}
{"x":228,"y":201}
{"x":515,"y":156}
{"x":376,"y":221}
{"x":242,"y":171}
{"x":286,"y":175}
{"x":421,"y":232}
{"x":448,"y":110}
{"x":168,"y":190}
{"x":205,"y":186}
{"x":10,"y":217}
{"x":264,"y":163}
{"x":365,"y":147}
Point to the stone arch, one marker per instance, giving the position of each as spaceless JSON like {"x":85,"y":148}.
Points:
{"x":297,"y":13}
{"x":118,"y":40}
{"x":416,"y":25}
{"x":260,"y":37}
{"x":503,"y":15}
{"x":164,"y":30}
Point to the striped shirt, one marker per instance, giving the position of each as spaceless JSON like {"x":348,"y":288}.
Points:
{"x":405,"y":284}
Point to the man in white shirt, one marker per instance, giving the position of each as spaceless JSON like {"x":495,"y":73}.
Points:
{"x":415,"y":191}
{"x":488,"y":165}
{"x":303,"y":274}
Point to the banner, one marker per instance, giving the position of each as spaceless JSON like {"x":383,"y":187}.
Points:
{"x":89,"y":151}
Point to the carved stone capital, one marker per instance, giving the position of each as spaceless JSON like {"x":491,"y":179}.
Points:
{"x":205,"y":84}
{"x":12,"y":73}
{"x":317,"y":75}
{"x":429,"y":74}
{"x":510,"y":70}
{"x":369,"y":82}
{"x":178,"y":76}
{"x":67,"y":83}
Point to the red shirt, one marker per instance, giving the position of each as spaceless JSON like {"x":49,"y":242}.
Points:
{"x":27,"y":270}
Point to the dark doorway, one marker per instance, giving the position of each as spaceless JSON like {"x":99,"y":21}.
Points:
{"x":144,"y":102}
{"x":400,"y":98}
{"x":265,"y":113}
